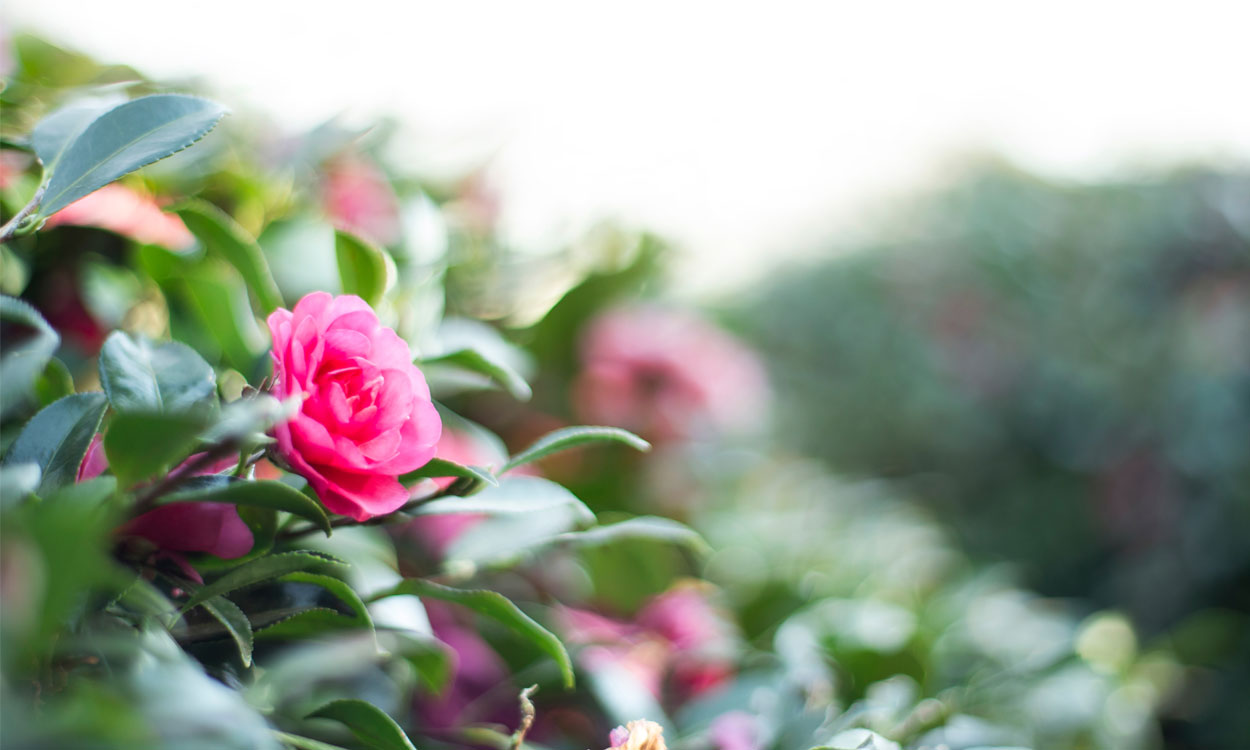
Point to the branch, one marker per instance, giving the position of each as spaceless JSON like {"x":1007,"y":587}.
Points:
{"x":527,"y":718}
{"x":10,"y":229}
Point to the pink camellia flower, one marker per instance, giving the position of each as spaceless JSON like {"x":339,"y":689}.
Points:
{"x":358,"y":198}
{"x":366,"y":417}
{"x":213,"y":528}
{"x":119,"y":209}
{"x":667,"y":375}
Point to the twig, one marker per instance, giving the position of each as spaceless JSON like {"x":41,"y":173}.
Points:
{"x":527,"y":718}
{"x":10,"y":229}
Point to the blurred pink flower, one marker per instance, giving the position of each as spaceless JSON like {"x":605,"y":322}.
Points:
{"x":472,"y":693}
{"x":678,"y":635}
{"x":667,"y":375}
{"x":736,"y":730}
{"x":119,"y":209}
{"x":359,"y":199}
{"x":213,"y":528}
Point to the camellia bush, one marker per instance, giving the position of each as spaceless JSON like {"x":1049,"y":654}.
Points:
{"x":297,"y":453}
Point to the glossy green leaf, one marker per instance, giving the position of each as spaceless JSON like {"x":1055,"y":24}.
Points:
{"x":56,"y":439}
{"x":24,"y":360}
{"x":572,"y":437}
{"x":319,"y":620}
{"x":123,"y":139}
{"x":222,"y":236}
{"x":144,"y":598}
{"x":369,"y":723}
{"x":236,"y":623}
{"x":258,"y":494}
{"x":475,"y":361}
{"x":261,"y":569}
{"x":512,"y":495}
{"x":362,"y":267}
{"x":497,"y":607}
{"x":140,"y":445}
{"x":55,"y":132}
{"x":438,"y":467}
{"x":139,"y":375}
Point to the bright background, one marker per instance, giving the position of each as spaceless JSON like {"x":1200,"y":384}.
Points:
{"x":743,"y":132}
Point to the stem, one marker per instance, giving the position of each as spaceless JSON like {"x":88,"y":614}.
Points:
{"x":10,"y":228}
{"x":527,"y":718}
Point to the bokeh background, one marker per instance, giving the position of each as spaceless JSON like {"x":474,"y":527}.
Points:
{"x":993,"y":261}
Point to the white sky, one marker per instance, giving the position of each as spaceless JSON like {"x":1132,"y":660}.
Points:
{"x":744,"y":131}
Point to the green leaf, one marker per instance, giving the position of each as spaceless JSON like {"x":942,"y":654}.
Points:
{"x":21,"y":364}
{"x":498,"y":608}
{"x":53,"y":134}
{"x":229,"y":615}
{"x":512,"y":495}
{"x":438,"y":467}
{"x":246,"y":420}
{"x":123,"y":139}
{"x":362,"y":267}
{"x":654,"y":528}
{"x":54,"y":382}
{"x":142,"y":376}
{"x":482,"y":364}
{"x":223,"y":237}
{"x":430,"y":658}
{"x":57,"y":437}
{"x":140,"y":445}
{"x":319,"y":620}
{"x":142,"y":597}
{"x":225,"y":312}
{"x":259,"y":494}
{"x":260,"y":569}
{"x":305,"y":743}
{"x":571,"y":437}
{"x":369,"y":723}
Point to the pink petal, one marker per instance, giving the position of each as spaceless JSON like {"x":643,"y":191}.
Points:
{"x":343,"y":343}
{"x":382,"y":447}
{"x":313,"y":305}
{"x":360,"y":496}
